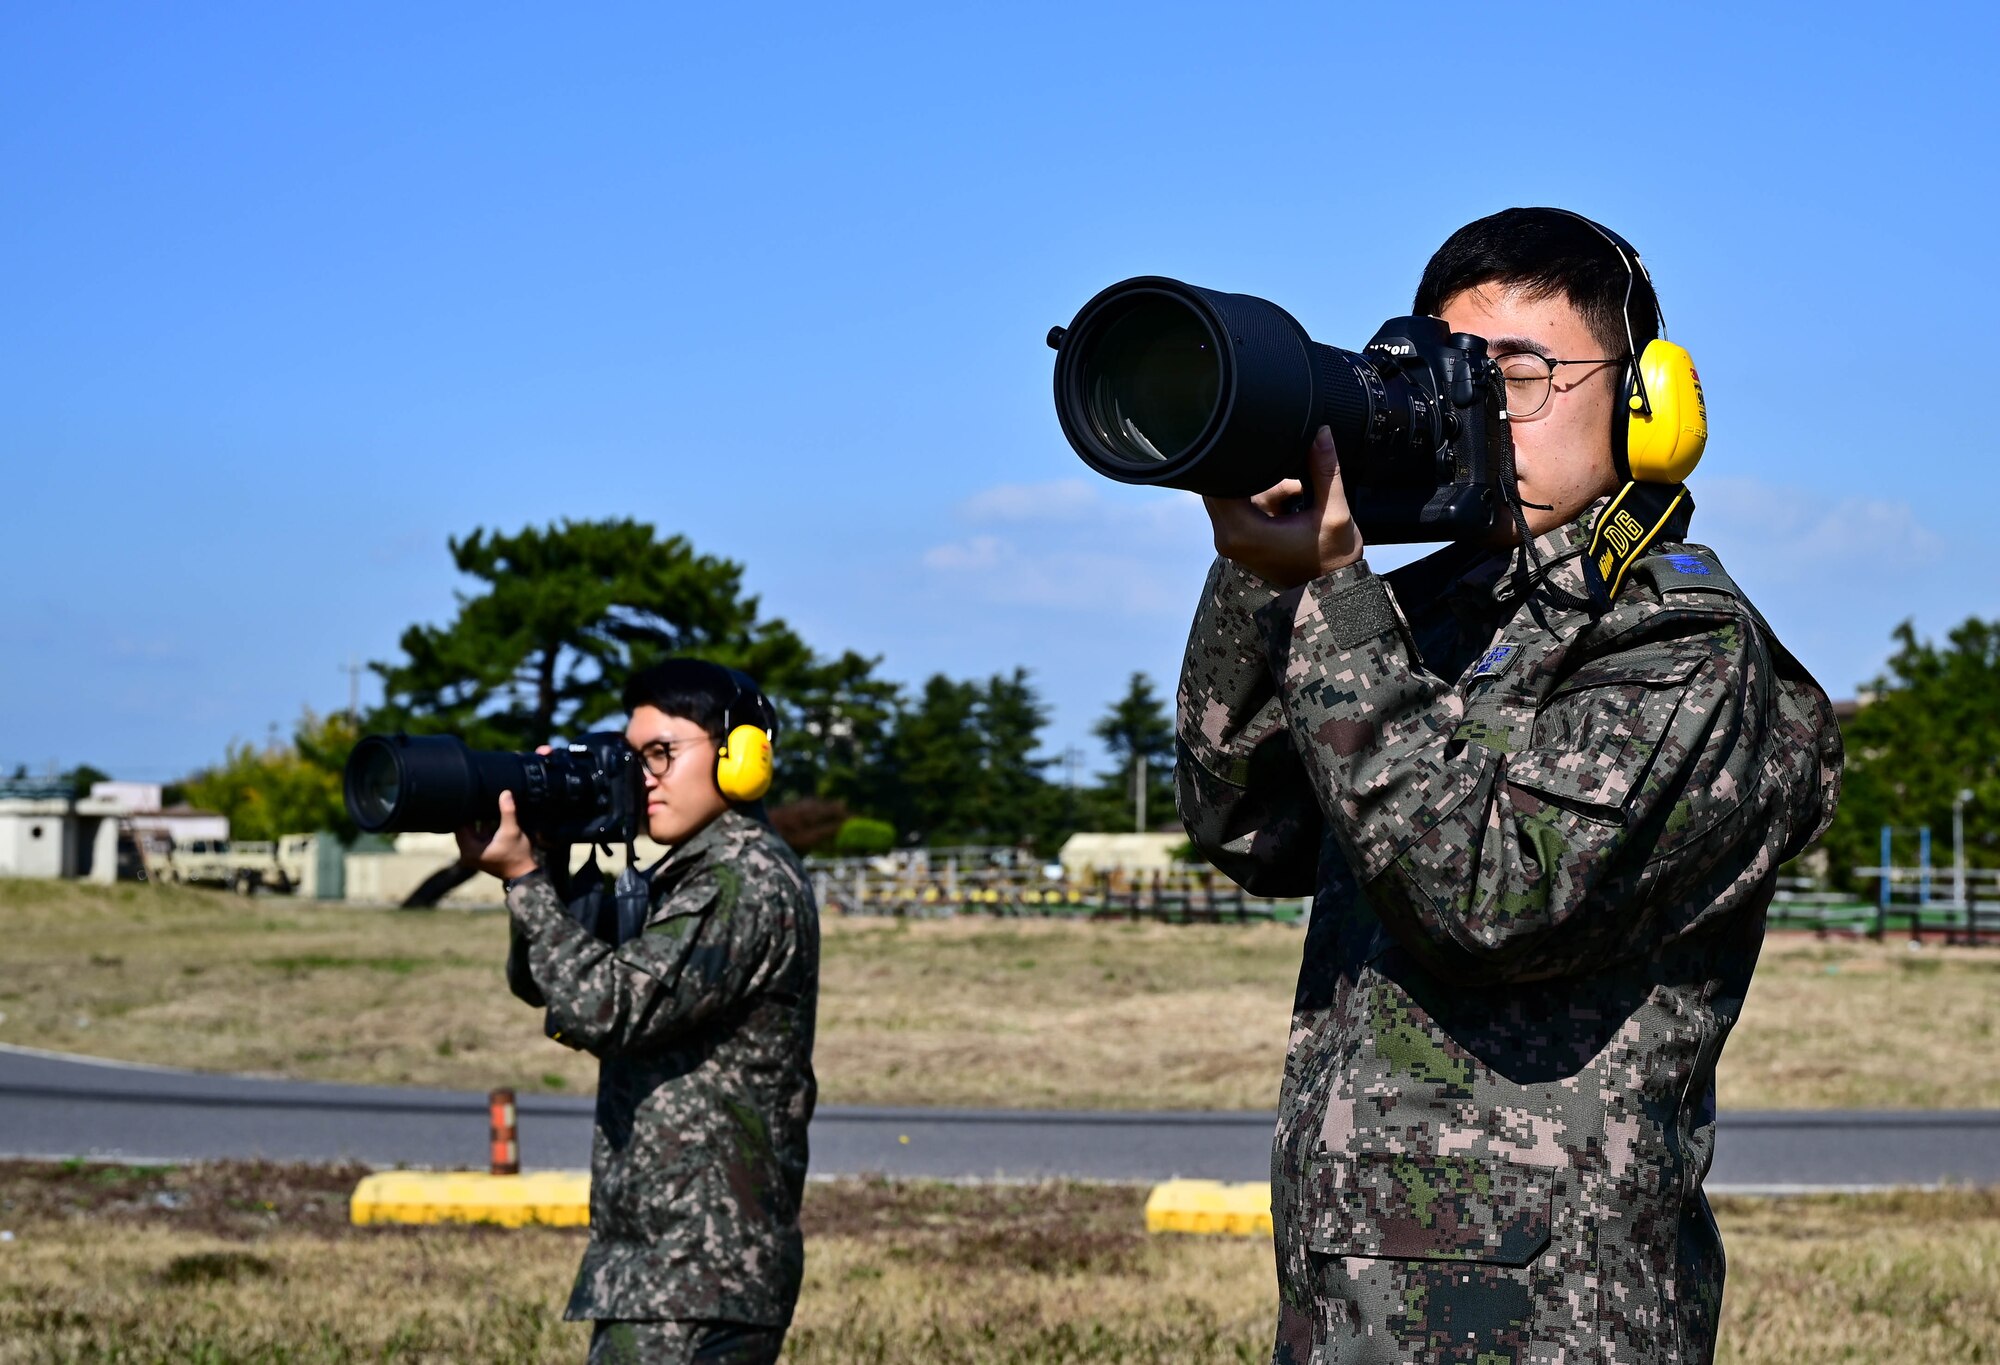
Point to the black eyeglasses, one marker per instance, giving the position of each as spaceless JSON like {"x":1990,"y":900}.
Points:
{"x":660,"y":754}
{"x":1530,"y":377}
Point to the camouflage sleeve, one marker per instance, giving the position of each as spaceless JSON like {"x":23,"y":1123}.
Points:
{"x":520,"y":979}
{"x":1638,"y":797}
{"x":706,"y":948}
{"x":1242,"y":792}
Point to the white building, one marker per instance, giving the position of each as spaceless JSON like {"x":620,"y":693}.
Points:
{"x":139,"y":803}
{"x":48,"y":833}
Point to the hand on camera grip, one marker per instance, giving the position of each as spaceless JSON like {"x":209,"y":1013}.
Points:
{"x":1289,"y":534}
{"x":504,"y":850}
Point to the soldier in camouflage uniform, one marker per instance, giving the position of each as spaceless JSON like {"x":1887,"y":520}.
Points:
{"x":1541,"y":836}
{"x":703,"y":1024}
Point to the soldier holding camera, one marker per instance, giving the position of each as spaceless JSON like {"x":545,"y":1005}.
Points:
{"x":700,"y":1010}
{"x":1540,"y":782}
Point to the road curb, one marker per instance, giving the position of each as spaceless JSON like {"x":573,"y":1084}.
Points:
{"x":1210,"y":1206}
{"x":544,"y":1198}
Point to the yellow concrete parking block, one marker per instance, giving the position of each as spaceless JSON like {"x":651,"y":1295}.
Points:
{"x":550,"y":1198}
{"x":1209,"y":1206}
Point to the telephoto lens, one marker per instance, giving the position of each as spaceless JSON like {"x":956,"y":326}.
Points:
{"x":589,"y":791}
{"x":1161,"y":382}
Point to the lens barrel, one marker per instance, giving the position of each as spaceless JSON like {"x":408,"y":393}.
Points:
{"x":402,"y":784}
{"x":1162,"y":382}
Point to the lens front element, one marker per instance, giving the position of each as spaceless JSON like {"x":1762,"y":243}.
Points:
{"x":1151,"y":379}
{"x":375,"y":787}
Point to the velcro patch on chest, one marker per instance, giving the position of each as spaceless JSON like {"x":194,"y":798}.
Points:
{"x":1494,"y":662}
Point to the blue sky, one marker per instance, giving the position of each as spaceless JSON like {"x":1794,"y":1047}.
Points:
{"x":289,"y":294}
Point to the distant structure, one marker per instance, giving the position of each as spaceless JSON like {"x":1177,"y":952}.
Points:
{"x":1084,"y":854}
{"x":46,"y":830}
{"x":139,"y":804}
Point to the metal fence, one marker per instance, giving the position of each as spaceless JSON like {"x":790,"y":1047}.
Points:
{"x":936,"y":884}
{"x":1907,"y":902}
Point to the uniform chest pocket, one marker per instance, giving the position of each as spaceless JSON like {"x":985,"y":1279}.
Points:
{"x":1443,"y":1208}
{"x":1596,"y":736}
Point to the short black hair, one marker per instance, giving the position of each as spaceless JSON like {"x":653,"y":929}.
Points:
{"x":1545,"y":252}
{"x":693,"y":689}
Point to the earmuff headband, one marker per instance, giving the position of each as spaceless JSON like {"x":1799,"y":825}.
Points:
{"x":1634,"y":268}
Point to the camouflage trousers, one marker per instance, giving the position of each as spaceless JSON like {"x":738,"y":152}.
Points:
{"x":684,"y":1343}
{"x":1392,"y":1311}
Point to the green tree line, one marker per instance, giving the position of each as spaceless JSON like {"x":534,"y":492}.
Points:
{"x":1927,"y":730}
{"x":554,"y":618}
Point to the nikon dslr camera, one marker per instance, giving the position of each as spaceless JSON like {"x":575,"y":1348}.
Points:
{"x":1160,"y":382}
{"x":586,"y":792}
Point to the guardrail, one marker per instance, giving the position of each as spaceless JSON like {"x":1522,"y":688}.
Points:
{"x":1182,"y":896}
{"x":1906,"y":901}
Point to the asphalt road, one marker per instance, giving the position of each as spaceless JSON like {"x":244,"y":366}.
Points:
{"x":62,"y":1106}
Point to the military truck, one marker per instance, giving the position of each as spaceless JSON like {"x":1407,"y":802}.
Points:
{"x":244,"y":866}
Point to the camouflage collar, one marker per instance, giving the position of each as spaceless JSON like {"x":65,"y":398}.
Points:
{"x":1561,"y":554}
{"x":706,"y":840}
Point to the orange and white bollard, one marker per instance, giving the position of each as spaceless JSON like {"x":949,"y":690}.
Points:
{"x":506,"y":1138}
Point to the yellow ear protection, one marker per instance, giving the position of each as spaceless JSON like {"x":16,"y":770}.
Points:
{"x":749,"y":724}
{"x":1660,"y":435}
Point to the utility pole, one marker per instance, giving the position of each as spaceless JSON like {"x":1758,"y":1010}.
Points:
{"x":352,"y":668}
{"x":1139,"y":793}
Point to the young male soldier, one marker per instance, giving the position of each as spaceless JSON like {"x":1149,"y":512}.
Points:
{"x":1542,"y":827}
{"x":703,"y":1024}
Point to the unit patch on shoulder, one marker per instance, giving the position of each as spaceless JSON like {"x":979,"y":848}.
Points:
{"x":1494,"y":662}
{"x":1688,"y":564}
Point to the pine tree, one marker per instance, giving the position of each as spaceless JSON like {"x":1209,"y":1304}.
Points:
{"x":565,"y":614}
{"x":1137,"y":725}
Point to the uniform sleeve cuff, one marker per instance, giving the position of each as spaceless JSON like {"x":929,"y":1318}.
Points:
{"x":1348,"y":607}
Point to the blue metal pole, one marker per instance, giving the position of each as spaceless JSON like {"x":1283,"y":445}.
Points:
{"x":1882,"y":886}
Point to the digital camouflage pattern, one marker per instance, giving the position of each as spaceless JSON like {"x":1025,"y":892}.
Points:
{"x":704,"y":1029}
{"x":1541,"y":848}
{"x":684,"y":1343}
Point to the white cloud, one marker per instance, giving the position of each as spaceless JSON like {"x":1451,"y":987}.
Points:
{"x":1057,"y":500}
{"x":1796,"y":532}
{"x":978,"y":553}
{"x":1073,"y":546}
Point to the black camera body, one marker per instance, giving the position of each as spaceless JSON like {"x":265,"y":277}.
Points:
{"x":588,"y":791}
{"x":1160,"y":382}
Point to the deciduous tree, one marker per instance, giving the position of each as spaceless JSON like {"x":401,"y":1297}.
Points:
{"x":281,"y":789}
{"x":1931,"y":731}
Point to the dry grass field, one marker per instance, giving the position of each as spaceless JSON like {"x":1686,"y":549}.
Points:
{"x":1026,"y":1013}
{"x":253,"y":1263}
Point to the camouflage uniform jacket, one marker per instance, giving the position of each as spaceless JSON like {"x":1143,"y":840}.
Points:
{"x":704,"y":1029}
{"x":1541,"y":847}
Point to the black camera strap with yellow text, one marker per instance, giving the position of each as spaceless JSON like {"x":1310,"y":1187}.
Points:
{"x":1637,"y":517}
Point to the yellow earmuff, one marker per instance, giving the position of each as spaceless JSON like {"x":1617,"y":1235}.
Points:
{"x":1666,"y":426}
{"x":743,"y":763}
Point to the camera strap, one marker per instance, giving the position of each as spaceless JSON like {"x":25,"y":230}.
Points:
{"x":632,"y":899}
{"x":1635,"y":519}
